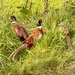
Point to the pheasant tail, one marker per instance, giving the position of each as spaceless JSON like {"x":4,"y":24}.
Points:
{"x":17,"y":50}
{"x":68,"y":41}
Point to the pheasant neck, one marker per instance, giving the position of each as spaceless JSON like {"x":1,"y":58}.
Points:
{"x":14,"y":22}
{"x":39,"y":27}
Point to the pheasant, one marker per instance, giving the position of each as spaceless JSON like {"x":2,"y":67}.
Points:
{"x":19,"y":30}
{"x":65,"y":27}
{"x":31,"y":40}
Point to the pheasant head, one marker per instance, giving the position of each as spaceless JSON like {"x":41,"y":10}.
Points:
{"x":13,"y":18}
{"x":39,"y":23}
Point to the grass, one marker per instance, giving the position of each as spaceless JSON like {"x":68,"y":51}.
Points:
{"x":50,"y":56}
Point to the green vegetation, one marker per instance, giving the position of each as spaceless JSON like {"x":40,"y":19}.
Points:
{"x":50,"y":56}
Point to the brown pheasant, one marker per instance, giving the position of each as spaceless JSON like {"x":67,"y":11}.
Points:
{"x":66,"y":30}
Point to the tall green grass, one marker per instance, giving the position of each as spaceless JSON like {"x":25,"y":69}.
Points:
{"x":50,"y":55}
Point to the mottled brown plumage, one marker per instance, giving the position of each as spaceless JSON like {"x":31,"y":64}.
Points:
{"x":67,"y":36}
{"x":66,"y":30}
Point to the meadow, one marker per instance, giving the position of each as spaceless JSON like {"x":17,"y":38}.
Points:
{"x":50,"y":56}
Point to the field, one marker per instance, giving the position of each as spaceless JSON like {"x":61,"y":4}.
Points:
{"x":50,"y":55}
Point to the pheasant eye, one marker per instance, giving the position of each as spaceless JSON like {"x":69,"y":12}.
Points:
{"x":40,"y":21}
{"x":12,"y":17}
